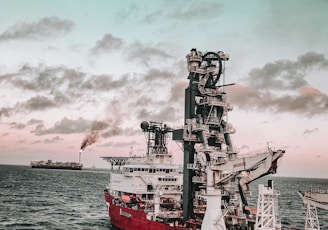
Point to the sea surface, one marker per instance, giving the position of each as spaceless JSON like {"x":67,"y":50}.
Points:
{"x":52,"y":199}
{"x":64,"y":199}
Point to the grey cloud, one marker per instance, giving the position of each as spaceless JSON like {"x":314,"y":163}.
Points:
{"x":165,"y":113}
{"x":66,"y":126}
{"x":280,"y":75}
{"x":7,"y":77}
{"x":117,"y":130}
{"x":107,"y":44}
{"x":55,"y":87}
{"x":15,"y":125}
{"x":39,"y":129}
{"x":5,"y":111}
{"x":104,"y":83}
{"x":36,"y":142}
{"x":178,"y":91}
{"x":282,"y":87}
{"x":156,"y":74}
{"x":190,"y":11}
{"x":119,"y":144}
{"x":312,"y":60}
{"x":307,"y":102}
{"x":114,"y":131}
{"x":197,"y":10}
{"x":38,"y":103}
{"x":61,"y":78}
{"x":143,"y":100}
{"x":146,"y":54}
{"x":40,"y":78}
{"x":286,"y":74}
{"x":108,"y":127}
{"x":145,"y":114}
{"x":99,"y":125}
{"x":114,"y":119}
{"x":34,"y":122}
{"x":309,"y":131}
{"x":44,"y":27}
{"x":52,"y":140}
{"x":74,"y":78}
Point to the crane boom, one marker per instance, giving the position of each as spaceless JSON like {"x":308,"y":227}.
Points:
{"x":313,"y":200}
{"x":316,"y":199}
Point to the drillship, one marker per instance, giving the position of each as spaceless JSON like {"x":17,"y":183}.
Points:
{"x":210,"y":190}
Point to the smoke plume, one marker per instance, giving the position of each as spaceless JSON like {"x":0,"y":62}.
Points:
{"x":89,"y":139}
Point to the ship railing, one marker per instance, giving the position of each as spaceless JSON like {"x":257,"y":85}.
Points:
{"x":170,"y":192}
{"x":175,"y":165}
{"x":198,"y":179}
{"x":191,"y":137}
{"x":318,"y":191}
{"x":253,"y":153}
{"x":207,"y":149}
{"x":216,"y":162}
{"x":214,"y":101}
{"x":170,"y":215}
{"x":191,"y":166}
{"x":149,"y":210}
{"x":144,"y":191}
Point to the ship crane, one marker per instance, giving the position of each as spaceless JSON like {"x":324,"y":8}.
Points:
{"x":313,"y":200}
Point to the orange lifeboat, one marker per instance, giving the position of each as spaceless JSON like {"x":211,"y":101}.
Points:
{"x":126,"y":199}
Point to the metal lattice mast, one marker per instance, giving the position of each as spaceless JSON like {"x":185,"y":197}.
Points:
{"x":313,"y":200}
{"x":267,"y":209}
{"x":311,"y":221}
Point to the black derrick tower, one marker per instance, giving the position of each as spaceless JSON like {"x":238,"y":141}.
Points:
{"x":206,"y":124}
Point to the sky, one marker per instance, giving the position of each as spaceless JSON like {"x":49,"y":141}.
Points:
{"x":68,"y":68}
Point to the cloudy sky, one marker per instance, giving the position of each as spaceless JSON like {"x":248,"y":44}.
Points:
{"x":68,"y":68}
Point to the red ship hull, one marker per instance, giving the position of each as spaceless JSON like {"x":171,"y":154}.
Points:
{"x":127,"y":219}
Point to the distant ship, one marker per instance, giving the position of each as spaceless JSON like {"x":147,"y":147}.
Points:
{"x":56,"y":165}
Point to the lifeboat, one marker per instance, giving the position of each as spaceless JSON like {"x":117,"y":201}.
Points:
{"x":126,"y":199}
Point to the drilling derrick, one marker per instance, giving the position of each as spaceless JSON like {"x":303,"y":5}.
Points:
{"x":210,"y":161}
{"x":207,"y":135}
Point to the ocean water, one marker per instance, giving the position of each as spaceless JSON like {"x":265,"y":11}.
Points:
{"x":291,"y":209}
{"x":52,"y":199}
{"x":63,"y":199}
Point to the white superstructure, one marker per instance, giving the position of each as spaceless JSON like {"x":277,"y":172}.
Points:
{"x":151,"y":183}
